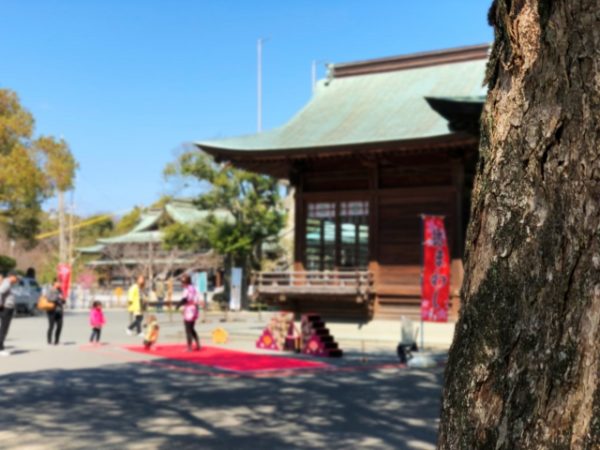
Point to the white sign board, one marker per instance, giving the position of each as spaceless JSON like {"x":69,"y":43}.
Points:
{"x":235,"y":300}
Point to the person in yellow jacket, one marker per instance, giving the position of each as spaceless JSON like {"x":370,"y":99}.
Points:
{"x":135,"y":305}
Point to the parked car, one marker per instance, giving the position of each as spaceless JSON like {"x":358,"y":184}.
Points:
{"x":27,"y":293}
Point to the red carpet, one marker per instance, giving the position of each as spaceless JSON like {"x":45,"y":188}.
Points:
{"x":229,"y":359}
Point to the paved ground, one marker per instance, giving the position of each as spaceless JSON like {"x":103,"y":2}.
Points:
{"x":77,"y":397}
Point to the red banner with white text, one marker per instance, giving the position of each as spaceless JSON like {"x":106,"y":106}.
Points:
{"x":64,"y":278}
{"x":435,"y":288}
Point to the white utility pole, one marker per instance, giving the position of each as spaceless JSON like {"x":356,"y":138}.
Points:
{"x":71,"y":223}
{"x":62,"y":244}
{"x":259,"y":47}
{"x":314,"y":75}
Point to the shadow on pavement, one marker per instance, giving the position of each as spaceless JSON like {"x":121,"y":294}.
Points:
{"x":141,"y":405}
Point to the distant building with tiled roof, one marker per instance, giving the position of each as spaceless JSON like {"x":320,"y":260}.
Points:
{"x":140,"y":251}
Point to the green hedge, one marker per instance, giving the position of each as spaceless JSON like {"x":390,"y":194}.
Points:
{"x":6,"y":263}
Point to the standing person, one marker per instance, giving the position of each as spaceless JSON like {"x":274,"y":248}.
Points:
{"x":96,"y":321}
{"x":190,"y":311}
{"x":135,"y":301}
{"x":55,"y":315}
{"x":160,"y":290}
{"x":7,"y":307}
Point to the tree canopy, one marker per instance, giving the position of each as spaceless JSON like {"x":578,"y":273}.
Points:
{"x":7,"y":263}
{"x":128,"y":221}
{"x":252,"y":201}
{"x":31,"y":169}
{"x":59,"y":164}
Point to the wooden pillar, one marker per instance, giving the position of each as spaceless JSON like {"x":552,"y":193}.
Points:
{"x":457,"y":272}
{"x":297,"y":180}
{"x":338,"y":238}
{"x":374,"y":228}
{"x":374,"y":213}
{"x":458,"y":180}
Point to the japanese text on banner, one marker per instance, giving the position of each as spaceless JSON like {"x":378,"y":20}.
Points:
{"x":435,"y":288}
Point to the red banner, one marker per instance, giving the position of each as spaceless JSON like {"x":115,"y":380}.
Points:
{"x":435,"y":287}
{"x":64,"y":278}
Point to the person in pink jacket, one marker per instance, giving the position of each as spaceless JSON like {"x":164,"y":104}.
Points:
{"x":190,"y":311}
{"x":96,"y":321}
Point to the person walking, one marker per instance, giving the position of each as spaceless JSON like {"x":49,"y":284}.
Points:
{"x":136,"y":307}
{"x":190,"y":311}
{"x":55,"y":315}
{"x":97,"y":321}
{"x":7,"y":307}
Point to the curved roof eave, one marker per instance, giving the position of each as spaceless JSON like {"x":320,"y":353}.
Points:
{"x":450,"y":139}
{"x":375,"y":109}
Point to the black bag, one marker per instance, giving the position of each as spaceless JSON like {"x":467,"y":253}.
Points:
{"x":3,"y":299}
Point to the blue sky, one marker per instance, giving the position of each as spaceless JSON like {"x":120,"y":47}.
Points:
{"x":126,"y":82}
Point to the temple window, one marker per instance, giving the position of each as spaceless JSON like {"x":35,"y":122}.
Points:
{"x":337,"y":235}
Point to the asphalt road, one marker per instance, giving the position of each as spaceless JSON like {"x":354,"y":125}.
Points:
{"x":74,"y":396}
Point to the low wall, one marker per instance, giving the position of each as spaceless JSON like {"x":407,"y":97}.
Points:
{"x":387,"y":333}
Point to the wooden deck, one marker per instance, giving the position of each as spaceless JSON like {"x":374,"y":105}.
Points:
{"x":333,"y":294}
{"x":326,"y":283}
{"x":388,"y":295}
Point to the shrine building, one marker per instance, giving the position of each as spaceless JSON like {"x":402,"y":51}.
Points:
{"x":380,"y":143}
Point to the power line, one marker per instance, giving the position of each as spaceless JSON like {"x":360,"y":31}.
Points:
{"x":83,"y":224}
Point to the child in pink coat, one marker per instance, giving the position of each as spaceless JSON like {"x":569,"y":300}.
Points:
{"x":96,"y":321}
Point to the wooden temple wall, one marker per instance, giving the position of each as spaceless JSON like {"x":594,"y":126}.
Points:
{"x":398,"y":191}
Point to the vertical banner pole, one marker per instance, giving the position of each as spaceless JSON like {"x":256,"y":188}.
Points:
{"x":421,"y":348}
{"x":422,"y":335}
{"x":202,"y":287}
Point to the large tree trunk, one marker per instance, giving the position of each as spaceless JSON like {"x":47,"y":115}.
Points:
{"x":524,"y":368}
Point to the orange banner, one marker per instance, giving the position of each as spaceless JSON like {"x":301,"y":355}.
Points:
{"x":435,"y":287}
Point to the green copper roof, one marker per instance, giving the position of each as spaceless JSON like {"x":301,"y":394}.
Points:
{"x":134,"y":237}
{"x":179,"y":211}
{"x":463,"y":98}
{"x":187,"y":213}
{"x":120,"y":262}
{"x":369,"y":108}
{"x":147,"y":221}
{"x":91,"y":249}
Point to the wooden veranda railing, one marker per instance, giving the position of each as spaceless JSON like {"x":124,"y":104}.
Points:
{"x":331,"y":283}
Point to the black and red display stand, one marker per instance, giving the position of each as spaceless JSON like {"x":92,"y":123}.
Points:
{"x":316,"y":339}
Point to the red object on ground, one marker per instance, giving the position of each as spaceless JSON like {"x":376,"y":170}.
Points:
{"x":435,"y":290}
{"x":267,"y":341}
{"x":229,"y":359}
{"x":316,"y":339}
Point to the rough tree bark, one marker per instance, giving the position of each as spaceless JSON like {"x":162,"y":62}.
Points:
{"x":524,"y":368}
